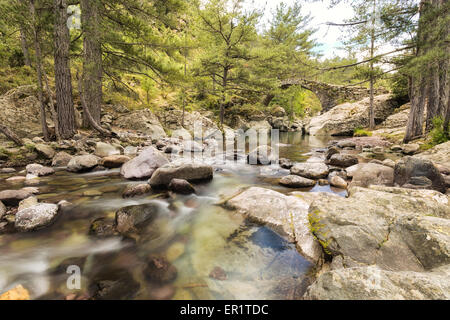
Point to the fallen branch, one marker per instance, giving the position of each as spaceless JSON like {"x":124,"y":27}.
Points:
{"x":88,"y":114}
{"x":10,"y":134}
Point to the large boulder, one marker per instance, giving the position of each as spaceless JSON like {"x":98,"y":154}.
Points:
{"x":83,"y":163}
{"x":343,"y":160}
{"x":310,"y":170}
{"x":187,"y":170}
{"x":144,"y":165}
{"x":287,"y":215}
{"x":61,"y":159}
{"x":39,"y":170}
{"x":366,"y":174}
{"x":345,"y":118}
{"x":409,"y":169}
{"x":105,"y":149}
{"x":372,"y":283}
{"x":142,"y":120}
{"x":439,"y":154}
{"x":13,"y":197}
{"x":36,"y":217}
{"x":394,"y":228}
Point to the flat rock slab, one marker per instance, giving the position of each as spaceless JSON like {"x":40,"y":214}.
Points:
{"x":314,"y":170}
{"x":372,"y":283}
{"x":187,"y":170}
{"x":287,"y":215}
{"x":394,"y":228}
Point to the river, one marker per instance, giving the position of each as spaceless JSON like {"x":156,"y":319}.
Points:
{"x":193,"y":233}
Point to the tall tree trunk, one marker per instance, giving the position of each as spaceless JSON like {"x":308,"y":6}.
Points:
{"x":224,"y":92}
{"x":10,"y":134}
{"x":414,"y":126}
{"x":372,"y":77}
{"x":92,"y":59}
{"x":37,"y":48}
{"x":63,"y":79}
{"x":95,"y":125}
{"x":433,"y":98}
{"x":23,"y":43}
{"x":418,"y":84}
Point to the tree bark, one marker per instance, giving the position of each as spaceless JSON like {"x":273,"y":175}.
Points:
{"x":372,"y":80}
{"x":24,"y":45}
{"x":63,"y":79}
{"x":11,"y":135}
{"x":37,"y":48}
{"x":92,"y":59}
{"x":92,"y":123}
{"x":418,"y":85}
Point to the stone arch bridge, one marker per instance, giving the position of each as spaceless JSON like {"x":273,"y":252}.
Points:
{"x":330,"y":95}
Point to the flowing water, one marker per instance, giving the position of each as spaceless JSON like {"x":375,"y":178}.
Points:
{"x":193,"y":233}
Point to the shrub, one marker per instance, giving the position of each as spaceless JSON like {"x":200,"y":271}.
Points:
{"x":360,"y":132}
{"x":438,"y":134}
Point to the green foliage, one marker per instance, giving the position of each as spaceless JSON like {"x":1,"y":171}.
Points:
{"x":15,"y":77}
{"x":297,"y":102}
{"x":438,"y":134}
{"x":360,"y":132}
{"x":317,"y":229}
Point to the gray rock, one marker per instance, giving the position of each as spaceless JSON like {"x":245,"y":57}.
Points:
{"x":144,"y":165}
{"x":7,"y":170}
{"x":410,"y":148}
{"x":13,"y":197}
{"x":105,"y":149}
{"x":288,"y":215}
{"x":2,"y":210}
{"x":45,"y":150}
{"x":36,"y":217}
{"x":83,"y":163}
{"x":330,"y":152}
{"x":389,"y":163}
{"x":61,"y":159}
{"x":27,"y":203}
{"x":346,"y":144}
{"x":372,"y":174}
{"x":181,"y":186}
{"x":286,"y":163}
{"x":314,"y":170}
{"x":293,"y":181}
{"x":338,"y":182}
{"x":343,"y":160}
{"x":372,"y":283}
{"x":394,"y":228}
{"x":114,"y":161}
{"x":190,"y":171}
{"x":39,"y":170}
{"x":410,"y":167}
{"x":133,"y":218}
{"x":136,"y":190}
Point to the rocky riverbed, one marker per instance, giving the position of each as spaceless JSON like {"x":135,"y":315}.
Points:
{"x":324,"y":224}
{"x":352,"y":218}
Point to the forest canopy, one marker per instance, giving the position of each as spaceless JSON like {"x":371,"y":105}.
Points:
{"x":220,"y":55}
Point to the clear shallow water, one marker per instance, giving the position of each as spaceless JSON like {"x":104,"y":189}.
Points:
{"x":193,"y":233}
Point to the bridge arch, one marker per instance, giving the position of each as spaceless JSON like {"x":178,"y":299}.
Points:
{"x":330,"y":95}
